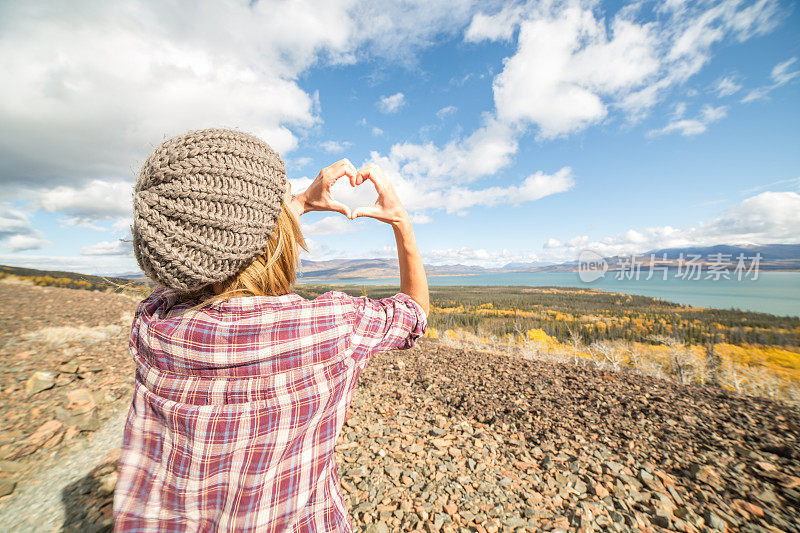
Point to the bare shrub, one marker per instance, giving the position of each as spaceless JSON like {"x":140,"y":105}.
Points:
{"x":683,"y":364}
{"x":604,"y":353}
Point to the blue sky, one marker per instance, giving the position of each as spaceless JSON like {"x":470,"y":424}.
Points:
{"x":513,"y":131}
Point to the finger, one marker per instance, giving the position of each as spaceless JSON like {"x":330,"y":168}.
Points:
{"x":372,"y":212}
{"x":338,"y":172}
{"x":336,"y":169}
{"x":344,"y":164}
{"x":368,"y":172}
{"x":339,"y":207}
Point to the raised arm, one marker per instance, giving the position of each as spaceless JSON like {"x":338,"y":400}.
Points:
{"x":390,"y":210}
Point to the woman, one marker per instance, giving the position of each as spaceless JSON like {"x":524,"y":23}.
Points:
{"x":242,"y":386}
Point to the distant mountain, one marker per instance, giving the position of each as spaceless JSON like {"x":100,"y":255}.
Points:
{"x":769,"y":252}
{"x":525,"y":267}
{"x":342,"y":269}
{"x":773,"y":257}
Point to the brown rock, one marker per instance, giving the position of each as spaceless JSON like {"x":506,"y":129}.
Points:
{"x":7,"y":486}
{"x":80,"y":400}
{"x":45,"y":434}
{"x":39,"y":382}
{"x":599,"y":490}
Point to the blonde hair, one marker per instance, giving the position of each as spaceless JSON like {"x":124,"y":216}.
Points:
{"x":272,"y":273}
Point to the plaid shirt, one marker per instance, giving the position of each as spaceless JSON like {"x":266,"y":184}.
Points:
{"x":237,"y":407}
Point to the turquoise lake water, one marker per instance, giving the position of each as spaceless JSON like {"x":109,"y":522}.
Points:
{"x":777,"y":293}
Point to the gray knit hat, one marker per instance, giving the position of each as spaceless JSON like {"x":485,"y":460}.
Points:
{"x":204,"y":206}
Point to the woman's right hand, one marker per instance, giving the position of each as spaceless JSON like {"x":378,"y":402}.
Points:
{"x":318,"y":195}
{"x":387,"y":208}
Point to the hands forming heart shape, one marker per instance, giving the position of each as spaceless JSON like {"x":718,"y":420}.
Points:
{"x":318,"y":197}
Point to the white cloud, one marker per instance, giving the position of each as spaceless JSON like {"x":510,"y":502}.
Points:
{"x":566,"y":63}
{"x":478,"y":257}
{"x":726,"y":86}
{"x":82,"y":222}
{"x":16,"y":230}
{"x":118,"y":247}
{"x":376,"y":131}
{"x":421,"y":193}
{"x":21,"y":243}
{"x":335,"y":146}
{"x":781,"y":74}
{"x":571,"y":67}
{"x":553,"y":243}
{"x":96,"y":86}
{"x":534,"y":187}
{"x":13,"y":221}
{"x":391,"y":104}
{"x":122,"y":224}
{"x":297,"y":163}
{"x":446,"y":111}
{"x":94,"y":201}
{"x":768,"y":218}
{"x":497,"y":27}
{"x":98,"y":265}
{"x":691,"y":126}
{"x":332,"y":225}
{"x":421,"y":218}
{"x":484,"y":152}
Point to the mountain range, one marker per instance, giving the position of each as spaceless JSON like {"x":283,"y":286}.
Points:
{"x":773,"y":257}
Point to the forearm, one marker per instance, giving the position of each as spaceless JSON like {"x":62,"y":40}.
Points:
{"x":298,"y":205}
{"x":413,"y":281}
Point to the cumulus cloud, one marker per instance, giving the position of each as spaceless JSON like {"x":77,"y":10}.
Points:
{"x":499,"y":26}
{"x":566,"y":63}
{"x":482,"y":153}
{"x":96,"y":200}
{"x":772,"y":217}
{"x":572,"y":67}
{"x":391,"y":104}
{"x":98,"y":84}
{"x":478,"y":256}
{"x":119,"y":247}
{"x":22,"y":243}
{"x":16,"y":231}
{"x":111,"y":265}
{"x":332,"y":225}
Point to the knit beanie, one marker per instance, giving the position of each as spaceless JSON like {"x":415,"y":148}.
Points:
{"x":204,"y":206}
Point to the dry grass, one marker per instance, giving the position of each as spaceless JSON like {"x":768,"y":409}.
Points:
{"x":15,"y":280}
{"x":59,"y":335}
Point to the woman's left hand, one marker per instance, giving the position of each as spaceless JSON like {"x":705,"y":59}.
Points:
{"x":318,"y":195}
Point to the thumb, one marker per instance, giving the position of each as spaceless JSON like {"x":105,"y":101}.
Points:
{"x":365,"y":212}
{"x":339,"y":208}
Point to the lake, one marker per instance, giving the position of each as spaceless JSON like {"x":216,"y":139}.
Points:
{"x":777,"y":293}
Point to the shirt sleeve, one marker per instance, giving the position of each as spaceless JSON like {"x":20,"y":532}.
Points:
{"x":393,"y":323}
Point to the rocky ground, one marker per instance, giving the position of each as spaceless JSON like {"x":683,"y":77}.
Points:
{"x":439,"y":438}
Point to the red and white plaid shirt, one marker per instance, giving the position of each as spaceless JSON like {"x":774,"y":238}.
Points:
{"x":237,"y":408}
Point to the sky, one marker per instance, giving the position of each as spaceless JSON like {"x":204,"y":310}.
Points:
{"x":513,"y":132}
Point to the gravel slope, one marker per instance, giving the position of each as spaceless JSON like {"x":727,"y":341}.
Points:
{"x":438,"y":438}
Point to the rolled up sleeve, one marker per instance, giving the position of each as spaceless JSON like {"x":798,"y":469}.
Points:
{"x":393,"y":323}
